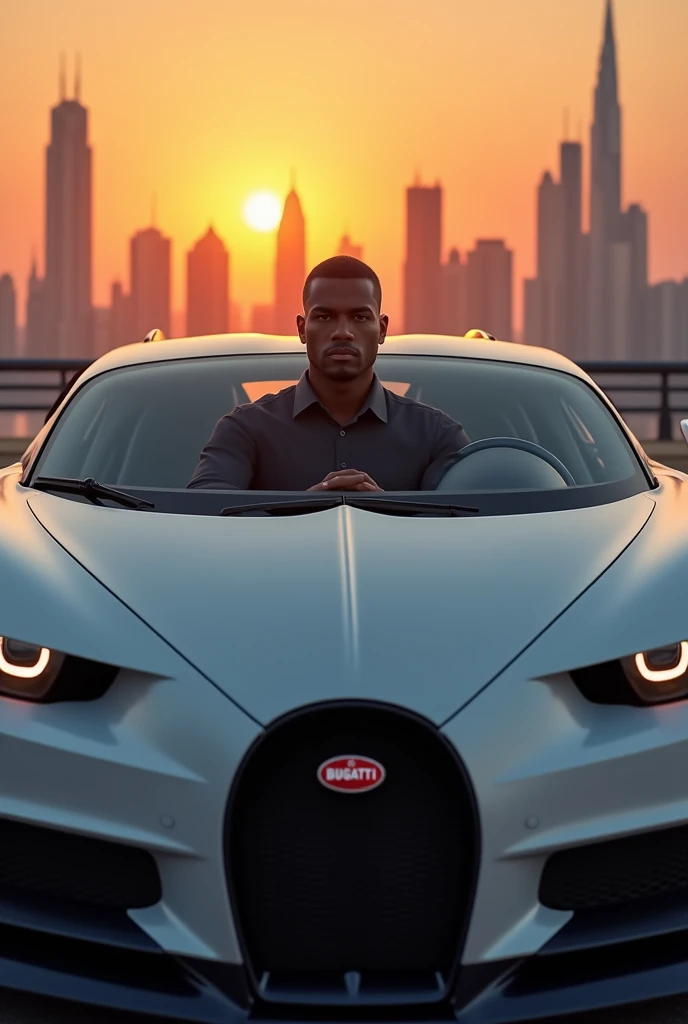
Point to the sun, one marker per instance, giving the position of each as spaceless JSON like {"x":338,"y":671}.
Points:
{"x":262,"y":211}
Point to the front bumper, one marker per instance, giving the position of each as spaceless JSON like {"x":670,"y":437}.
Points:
{"x":146,"y":754}
{"x":598,"y":961}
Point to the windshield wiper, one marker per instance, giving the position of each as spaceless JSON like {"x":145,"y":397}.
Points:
{"x":368,"y":502}
{"x":356,"y":500}
{"x":295,"y":504}
{"x":90,"y":489}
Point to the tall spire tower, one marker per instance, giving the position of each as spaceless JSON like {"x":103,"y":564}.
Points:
{"x":77,"y":79}
{"x":63,"y":78}
{"x":290,"y":266}
{"x":605,"y":189}
{"x":68,"y":227}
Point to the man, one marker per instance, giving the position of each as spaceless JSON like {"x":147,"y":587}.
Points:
{"x":338,"y":429}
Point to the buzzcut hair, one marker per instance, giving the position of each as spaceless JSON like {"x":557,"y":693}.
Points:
{"x":346,"y":267}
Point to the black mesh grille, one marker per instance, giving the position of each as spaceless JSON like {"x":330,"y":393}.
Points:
{"x":43,"y":860}
{"x":617,"y":871}
{"x":372,"y":882}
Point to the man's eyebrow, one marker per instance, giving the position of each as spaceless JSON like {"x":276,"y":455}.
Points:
{"x":326,"y":309}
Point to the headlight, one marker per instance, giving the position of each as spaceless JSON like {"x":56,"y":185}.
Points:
{"x":30,"y":672}
{"x":660,"y":674}
{"x":654,"y":676}
{"x":27,"y":670}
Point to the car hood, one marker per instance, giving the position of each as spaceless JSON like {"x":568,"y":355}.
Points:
{"x":284,"y":611}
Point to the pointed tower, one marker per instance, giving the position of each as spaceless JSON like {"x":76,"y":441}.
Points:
{"x":77,"y":79}
{"x":63,"y":78}
{"x":290,"y":265}
{"x":68,"y":229}
{"x":605,"y":190}
{"x":35,"y":344}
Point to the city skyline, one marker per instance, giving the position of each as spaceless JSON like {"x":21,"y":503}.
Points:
{"x":591,"y":291}
{"x":485,"y":133}
{"x":589,"y":299}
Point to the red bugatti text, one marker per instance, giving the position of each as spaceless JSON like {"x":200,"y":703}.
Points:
{"x":351,"y":774}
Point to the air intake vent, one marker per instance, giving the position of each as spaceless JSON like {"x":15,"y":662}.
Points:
{"x":618,"y":871}
{"x":67,"y":866}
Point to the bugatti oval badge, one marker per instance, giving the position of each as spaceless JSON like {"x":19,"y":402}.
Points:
{"x":351,"y":773}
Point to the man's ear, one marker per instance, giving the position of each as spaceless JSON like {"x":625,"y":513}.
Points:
{"x":301,"y":328}
{"x":384,"y":326}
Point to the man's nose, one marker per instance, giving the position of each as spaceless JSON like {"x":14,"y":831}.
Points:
{"x":342,"y":328}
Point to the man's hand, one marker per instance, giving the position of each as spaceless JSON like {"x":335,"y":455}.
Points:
{"x":346,"y":480}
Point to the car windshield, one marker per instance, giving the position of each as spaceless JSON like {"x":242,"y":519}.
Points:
{"x":144,"y":426}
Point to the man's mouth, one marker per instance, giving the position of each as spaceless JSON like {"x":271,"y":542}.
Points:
{"x":342,"y":354}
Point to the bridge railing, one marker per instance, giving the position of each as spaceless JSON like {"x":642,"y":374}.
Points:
{"x":655,"y":392}
{"x":650,"y":390}
{"x":32,"y":385}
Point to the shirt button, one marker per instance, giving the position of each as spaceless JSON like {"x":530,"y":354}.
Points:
{"x":342,"y":433}
{"x":343,"y":465}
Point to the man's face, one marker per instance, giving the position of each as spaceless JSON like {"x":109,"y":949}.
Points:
{"x":342,"y":327}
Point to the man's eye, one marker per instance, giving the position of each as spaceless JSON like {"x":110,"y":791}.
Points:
{"x":361,"y":316}
{"x":323,"y":316}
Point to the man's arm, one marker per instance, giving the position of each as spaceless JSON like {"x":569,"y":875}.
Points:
{"x":450,"y":438}
{"x":228,"y":460}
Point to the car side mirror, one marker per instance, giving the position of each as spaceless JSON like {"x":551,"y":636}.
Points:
{"x":684,"y":430}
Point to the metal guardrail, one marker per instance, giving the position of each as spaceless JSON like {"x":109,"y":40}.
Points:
{"x":649,"y":388}
{"x":628,"y":387}
{"x":26,"y":381}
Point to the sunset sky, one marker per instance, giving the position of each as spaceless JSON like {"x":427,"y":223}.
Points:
{"x":203,"y":103}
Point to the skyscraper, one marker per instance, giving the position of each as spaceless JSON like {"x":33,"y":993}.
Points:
{"x":553,"y":299}
{"x":550,"y":261}
{"x":101,"y":333}
{"x":207,"y":286}
{"x":236,"y":317}
{"x":682,"y":319}
{"x":68,"y":228}
{"x":619,"y":301}
{"x":121,"y":326}
{"x":290,"y":266}
{"x":8,"y":318}
{"x":572,"y":296}
{"x":532,"y":312}
{"x":490,"y":269}
{"x":347,"y":248}
{"x":634,"y":234}
{"x":453,"y":296}
{"x":665,"y":316}
{"x":36,"y":338}
{"x":605,"y":192}
{"x":422,"y":269}
{"x":149,"y":262}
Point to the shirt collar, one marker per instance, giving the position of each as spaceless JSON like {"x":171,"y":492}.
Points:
{"x":305,"y":396}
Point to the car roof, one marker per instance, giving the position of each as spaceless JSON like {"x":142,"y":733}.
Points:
{"x":269,"y":344}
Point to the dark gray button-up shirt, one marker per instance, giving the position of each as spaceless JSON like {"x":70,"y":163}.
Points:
{"x":288,"y":442}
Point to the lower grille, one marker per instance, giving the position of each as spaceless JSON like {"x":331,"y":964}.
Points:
{"x":617,"y":871}
{"x":67,"y":866}
{"x":355,"y":884}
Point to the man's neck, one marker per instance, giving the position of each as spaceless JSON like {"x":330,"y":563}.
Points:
{"x":342,"y":399}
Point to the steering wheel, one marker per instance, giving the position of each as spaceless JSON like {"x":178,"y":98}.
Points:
{"x":522,"y":446}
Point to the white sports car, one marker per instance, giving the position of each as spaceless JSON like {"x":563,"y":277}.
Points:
{"x":343,"y":757}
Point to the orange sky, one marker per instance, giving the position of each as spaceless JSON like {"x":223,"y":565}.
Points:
{"x":204,"y":102}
